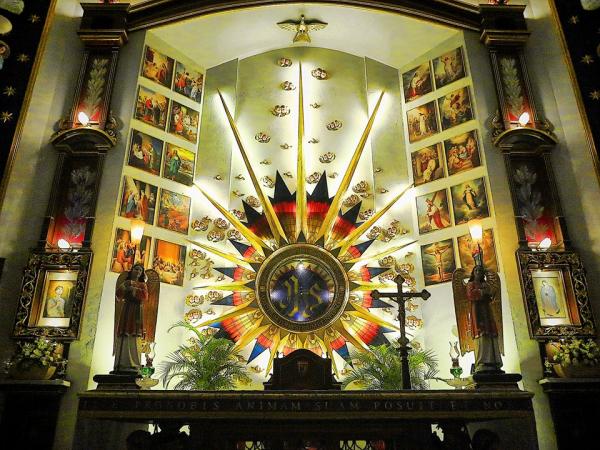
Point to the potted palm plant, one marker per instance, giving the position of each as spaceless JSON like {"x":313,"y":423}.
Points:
{"x":381,"y":368}
{"x":204,"y":363}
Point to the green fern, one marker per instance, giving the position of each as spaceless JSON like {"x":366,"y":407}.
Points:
{"x":206,"y":364}
{"x":381,"y":368}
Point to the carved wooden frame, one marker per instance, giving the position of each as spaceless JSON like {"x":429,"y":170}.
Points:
{"x":30,"y":298}
{"x":569,"y":263}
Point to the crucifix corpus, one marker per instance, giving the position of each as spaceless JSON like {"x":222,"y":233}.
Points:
{"x":401,"y":297}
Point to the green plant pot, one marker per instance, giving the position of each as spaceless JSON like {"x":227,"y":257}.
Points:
{"x":33,"y":372}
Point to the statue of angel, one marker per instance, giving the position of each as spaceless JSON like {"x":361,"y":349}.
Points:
{"x":136,"y":309}
{"x":479,"y":317}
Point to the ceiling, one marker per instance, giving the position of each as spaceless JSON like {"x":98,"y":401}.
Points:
{"x":392,"y":39}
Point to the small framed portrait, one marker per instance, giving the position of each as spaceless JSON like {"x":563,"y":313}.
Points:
{"x":427,"y":164}
{"x":469,"y":201}
{"x":55,"y":298}
{"x":151,"y":108}
{"x":145,"y":152}
{"x":138,"y":200}
{"x":550,"y":296}
{"x":179,"y":165}
{"x":448,"y":67}
{"x":169,"y":262}
{"x":417,"y":82}
{"x":467,"y":248}
{"x":462,"y":152}
{"x":432,"y":211}
{"x":455,"y":108}
{"x":126,"y":253}
{"x":438,"y":262}
{"x":188,"y":82}
{"x":157,"y":67}
{"x":52,"y":295}
{"x":183,"y":122}
{"x":556,"y":296}
{"x":421,"y":122}
{"x":174,"y":211}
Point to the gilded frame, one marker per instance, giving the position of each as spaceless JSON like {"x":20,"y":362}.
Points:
{"x":566,"y":268}
{"x":69,"y":269}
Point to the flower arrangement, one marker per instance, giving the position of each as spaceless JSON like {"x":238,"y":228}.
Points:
{"x":42,"y":352}
{"x":576,"y":352}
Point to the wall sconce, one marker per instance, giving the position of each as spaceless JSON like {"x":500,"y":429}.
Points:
{"x":545,"y":244}
{"x":63,"y":245}
{"x":476,"y":232}
{"x":524,"y":119}
{"x":83,"y":118}
{"x":137,"y":231}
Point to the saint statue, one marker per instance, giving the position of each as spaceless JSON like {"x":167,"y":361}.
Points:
{"x":136,"y":309}
{"x":479,"y":316}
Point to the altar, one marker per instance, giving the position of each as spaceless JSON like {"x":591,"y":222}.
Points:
{"x":402,"y":419}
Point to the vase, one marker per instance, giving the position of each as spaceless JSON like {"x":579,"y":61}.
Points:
{"x":576,"y":371}
{"x":32,"y":372}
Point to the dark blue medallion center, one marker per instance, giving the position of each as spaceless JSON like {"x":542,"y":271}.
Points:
{"x":301,"y":292}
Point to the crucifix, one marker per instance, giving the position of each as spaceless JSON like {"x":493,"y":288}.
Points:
{"x":401,"y":297}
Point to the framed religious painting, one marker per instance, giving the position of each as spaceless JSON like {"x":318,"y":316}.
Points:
{"x":183,"y":122}
{"x":138,"y":200}
{"x":432,"y":211}
{"x":455,"y":108}
{"x":438,"y":262}
{"x":174,"y":211}
{"x":188,"y":82}
{"x":179,"y":165}
{"x":422,"y":122}
{"x":555,"y":292}
{"x":52,"y":295}
{"x":151,"y":108}
{"x":145,"y":152}
{"x":169,"y":262}
{"x":462,"y":152}
{"x":417,"y":82}
{"x":469,"y":201}
{"x":427,"y":164}
{"x":448,"y":67}
{"x":126,"y":253}
{"x":467,"y":248}
{"x":157,"y":67}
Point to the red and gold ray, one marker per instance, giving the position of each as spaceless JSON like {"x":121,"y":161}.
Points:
{"x":254,"y":240}
{"x":355,"y":234}
{"x":335,"y":204}
{"x":301,"y":214}
{"x":274,"y":224}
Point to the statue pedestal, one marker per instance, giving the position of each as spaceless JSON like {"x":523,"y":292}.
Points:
{"x":117,"y":382}
{"x":497,"y":380}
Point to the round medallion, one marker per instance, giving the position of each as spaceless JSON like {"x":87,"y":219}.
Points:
{"x":302,"y":288}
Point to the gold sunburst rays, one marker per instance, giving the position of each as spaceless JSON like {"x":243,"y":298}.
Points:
{"x":254,"y":240}
{"x":382,"y":254}
{"x":332,"y":213}
{"x":236,"y":311}
{"x":239,"y":286}
{"x":301,"y":216}
{"x":271,"y":216}
{"x":223,"y":254}
{"x":358,"y":231}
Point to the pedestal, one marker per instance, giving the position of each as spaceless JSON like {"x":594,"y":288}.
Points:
{"x":497,"y":380}
{"x":30,"y":411}
{"x":574,"y":406}
{"x":117,"y":382}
